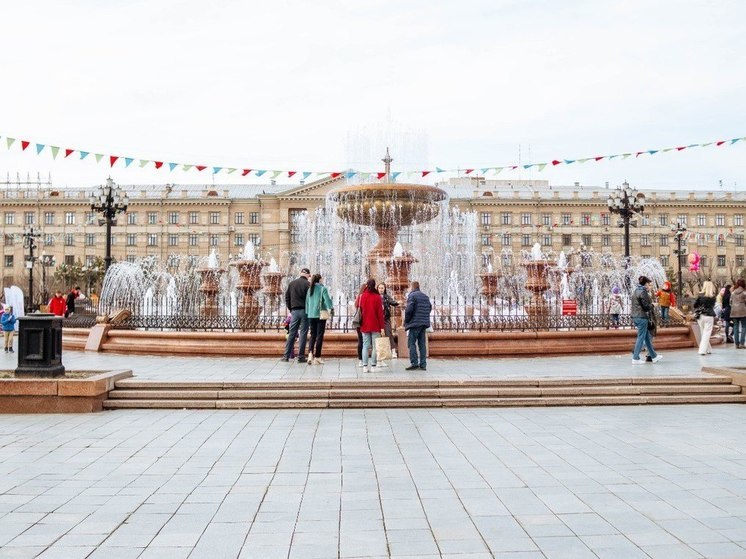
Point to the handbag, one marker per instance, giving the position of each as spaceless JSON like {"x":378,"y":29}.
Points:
{"x":324,"y":314}
{"x":357,"y":318}
{"x":383,"y":348}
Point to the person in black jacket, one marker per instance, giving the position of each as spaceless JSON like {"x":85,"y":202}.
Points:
{"x":70,"y":303}
{"x":388,"y":302}
{"x":416,"y":322}
{"x":295,"y":300}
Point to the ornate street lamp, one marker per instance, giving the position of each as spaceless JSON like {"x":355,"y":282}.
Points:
{"x":108,"y":201}
{"x":29,"y":241}
{"x":47,"y":261}
{"x":678,"y":232}
{"x":626,"y":202}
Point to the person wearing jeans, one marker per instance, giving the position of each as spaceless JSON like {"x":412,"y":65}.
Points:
{"x":372,"y":324}
{"x":416,"y":323}
{"x":295,"y":300}
{"x":738,"y":313}
{"x":640,"y":310}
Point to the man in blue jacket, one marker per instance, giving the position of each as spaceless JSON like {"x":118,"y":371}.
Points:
{"x":416,"y":323}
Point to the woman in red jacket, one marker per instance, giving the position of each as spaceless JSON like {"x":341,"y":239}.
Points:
{"x":57,"y":304}
{"x":372,"y":323}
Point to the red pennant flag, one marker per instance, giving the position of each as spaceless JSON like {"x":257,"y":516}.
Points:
{"x":201,"y":167}
{"x":425,"y":173}
{"x":291,"y":173}
{"x":514,"y":167}
{"x":24,"y":144}
{"x":599,"y":158}
{"x":245,"y":172}
{"x":379,"y":176}
{"x":469,"y":171}
{"x":639,"y":153}
{"x":112,"y":160}
{"x":720,"y":143}
{"x":555,"y":162}
{"x":68,"y":152}
{"x":335,"y":175}
{"x":680,"y":148}
{"x":158,"y":164}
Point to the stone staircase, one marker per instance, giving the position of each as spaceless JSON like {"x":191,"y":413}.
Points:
{"x":134,"y":393}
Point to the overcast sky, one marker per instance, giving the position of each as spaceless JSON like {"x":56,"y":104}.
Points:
{"x":298,"y":84}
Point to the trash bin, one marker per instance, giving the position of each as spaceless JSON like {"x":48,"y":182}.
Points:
{"x":40,"y":346}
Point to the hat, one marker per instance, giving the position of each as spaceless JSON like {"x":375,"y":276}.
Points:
{"x":643,"y":280}
{"x":305,"y":271}
{"x":615,"y":290}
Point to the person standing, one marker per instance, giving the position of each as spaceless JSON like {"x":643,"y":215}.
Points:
{"x":388,"y":302}
{"x":70,"y":302}
{"x":640,"y":311}
{"x":704,"y":309}
{"x":738,"y":313}
{"x":615,"y":306}
{"x":295,"y":301}
{"x":8,"y":321}
{"x":318,"y":305}
{"x":372,"y":323}
{"x":359,"y":333}
{"x":666,"y":300}
{"x":416,"y":323}
{"x":57,"y":305}
{"x":725,"y":316}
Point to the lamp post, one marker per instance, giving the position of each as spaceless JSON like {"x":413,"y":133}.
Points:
{"x":108,"y":201}
{"x":47,"y":261}
{"x":626,"y":202}
{"x":29,"y":241}
{"x":678,"y":232}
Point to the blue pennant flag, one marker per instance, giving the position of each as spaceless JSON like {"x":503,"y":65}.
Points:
{"x":734,"y":140}
{"x":39,"y":147}
{"x":306,"y":174}
{"x":127,"y":161}
{"x":528,"y":166}
{"x":216,"y":170}
{"x":260,"y":173}
{"x":569,"y":161}
{"x":484,"y":171}
{"x":652,"y":151}
{"x":394,"y":175}
{"x":439,"y":170}
{"x":350,"y":174}
{"x":83,"y":154}
{"x":172,"y":166}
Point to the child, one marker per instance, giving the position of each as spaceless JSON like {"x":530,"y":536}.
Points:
{"x":8,"y":321}
{"x":666,"y":299}
{"x":615,"y":306}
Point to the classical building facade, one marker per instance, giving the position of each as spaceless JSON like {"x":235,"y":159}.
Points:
{"x":174,"y":221}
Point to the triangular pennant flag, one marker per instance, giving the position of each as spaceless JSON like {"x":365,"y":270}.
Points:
{"x":439,"y":170}
{"x":705,"y":145}
{"x":230,"y":170}
{"x":127,"y":161}
{"x":693,"y":145}
{"x":639,"y":153}
{"x":556,"y":162}
{"x":425,"y":173}
{"x":260,"y":172}
{"x":275,"y":174}
{"x":720,"y":143}
{"x":599,"y":157}
{"x":484,"y":170}
{"x":364,"y":176}
{"x":335,"y":175}
{"x":291,"y":173}
{"x":652,"y":151}
{"x":83,"y":155}
{"x":68,"y":152}
{"x":626,"y":155}
{"x":200,"y":167}
{"x":24,"y":145}
{"x":144,"y":162}
{"x":112,"y":160}
{"x":467,"y":171}
{"x":498,"y":169}
{"x":613,"y":156}
{"x":584,"y":159}
{"x":172,"y":166}
{"x":569,"y":161}
{"x":306,"y":174}
{"x":186,"y":167}
{"x":158,"y":164}
{"x":394,"y":175}
{"x":513,"y":167}
{"x":216,"y":170}
{"x":98,"y":157}
{"x":680,"y":148}
{"x":245,"y":172}
{"x":39,"y":148}
{"x":55,"y":150}
{"x":734,"y":140}
{"x":528,"y":166}
{"x":541,"y":166}
{"x":9,"y":141}
{"x":379,"y":176}
{"x":350,"y":174}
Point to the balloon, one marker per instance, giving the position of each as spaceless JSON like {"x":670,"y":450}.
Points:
{"x":694,"y":262}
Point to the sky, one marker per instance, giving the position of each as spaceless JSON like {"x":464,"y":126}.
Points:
{"x":325,"y":85}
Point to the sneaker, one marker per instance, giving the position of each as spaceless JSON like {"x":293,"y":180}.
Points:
{"x":10,"y":350}
{"x":657,"y":358}
{"x":412,"y":368}
{"x":301,"y":360}
{"x":318,"y":361}
{"x":365,"y":368}
{"x":359,"y":363}
{"x":393,"y":354}
{"x":381,"y":365}
{"x":285,"y":359}
{"x":637,"y":362}
{"x":648,"y":359}
{"x":423,"y":368}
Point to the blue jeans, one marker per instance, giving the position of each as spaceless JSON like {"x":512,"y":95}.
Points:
{"x":664,"y":313}
{"x":643,"y":337}
{"x":415,"y":338}
{"x":298,"y":320}
{"x":369,"y":343}
{"x":739,"y":330}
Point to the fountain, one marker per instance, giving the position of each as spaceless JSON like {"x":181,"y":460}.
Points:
{"x":537,"y":283}
{"x":490,"y":284}
{"x":210,"y":285}
{"x":249,"y":267}
{"x":271,"y":281}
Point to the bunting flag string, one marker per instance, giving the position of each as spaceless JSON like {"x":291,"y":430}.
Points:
{"x":116,"y":160}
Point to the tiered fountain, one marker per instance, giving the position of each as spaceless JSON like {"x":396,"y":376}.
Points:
{"x":537,"y":283}
{"x":271,"y":280}
{"x":210,"y":285}
{"x":249,"y":267}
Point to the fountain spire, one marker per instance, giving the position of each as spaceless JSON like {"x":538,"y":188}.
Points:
{"x":387,"y":162}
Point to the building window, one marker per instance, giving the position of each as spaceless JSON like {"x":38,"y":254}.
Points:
{"x":739,"y":260}
{"x":69,"y":240}
{"x":606,"y":240}
{"x":507,"y":218}
{"x":70,"y":259}
{"x":294,"y":216}
{"x":645,"y":240}
{"x":721,"y":241}
{"x":506,"y":239}
{"x":682,"y":219}
{"x":193,"y":218}
{"x":546,"y":220}
{"x":192,"y":240}
{"x":587,"y":240}
{"x":8,"y":240}
{"x":485,"y":218}
{"x":645,"y":219}
{"x":566,"y":240}
{"x":703,"y":261}
{"x":173,"y":218}
{"x":525,"y":219}
{"x":10,"y":218}
{"x":131,"y":239}
{"x":739,"y":240}
{"x":720,"y":220}
{"x":131,"y":218}
{"x":131,"y":258}
{"x":663,"y":219}
{"x":152,"y":240}
{"x":152,"y":218}
{"x":69,"y":218}
{"x":214,"y":240}
{"x":605,"y":219}
{"x":29,"y":218}
{"x":721,"y":261}
{"x":255,"y":240}
{"x":485,"y":240}
{"x":8,"y":260}
{"x":663,"y":241}
{"x":525,"y":240}
{"x":238,"y":240}
{"x":566,"y":219}
{"x":173,"y":240}
{"x":254,"y":218}
{"x":214,"y":219}
{"x":48,"y":218}
{"x":89,"y":260}
{"x":738,"y":219}
{"x":701,"y":220}
{"x":547,"y":240}
{"x":90,"y":239}
{"x":48,"y":240}
{"x":238,"y":218}
{"x":664,"y":260}
{"x":585,"y":219}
